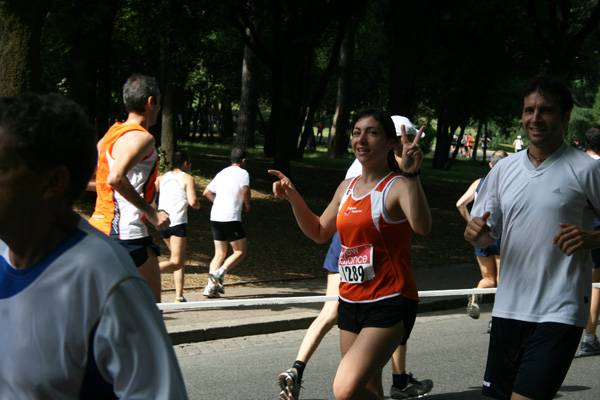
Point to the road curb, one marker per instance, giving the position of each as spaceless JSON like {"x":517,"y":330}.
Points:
{"x":261,"y":326}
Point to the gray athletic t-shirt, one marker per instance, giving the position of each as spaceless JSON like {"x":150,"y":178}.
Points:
{"x":538,"y":282}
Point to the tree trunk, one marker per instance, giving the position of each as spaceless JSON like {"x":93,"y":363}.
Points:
{"x":284,"y":123}
{"x":405,"y":56}
{"x":20,"y":32}
{"x":304,"y":107}
{"x":197,"y":132}
{"x":443,"y":142}
{"x":338,"y":137}
{"x":560,"y":37}
{"x":227,"y":117}
{"x":308,"y":133}
{"x":450,"y":160}
{"x":476,"y":141}
{"x":89,"y":36}
{"x":169,"y":111}
{"x":246,"y":122}
{"x":103,"y":99}
{"x":296,"y":29}
{"x":485,"y":139}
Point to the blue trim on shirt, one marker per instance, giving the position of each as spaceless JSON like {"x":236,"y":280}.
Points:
{"x":13,"y":281}
{"x":93,"y":385}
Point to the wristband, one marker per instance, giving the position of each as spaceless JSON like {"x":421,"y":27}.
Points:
{"x":411,"y":174}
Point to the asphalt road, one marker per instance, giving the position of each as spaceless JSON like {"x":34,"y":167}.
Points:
{"x":448,"y":347}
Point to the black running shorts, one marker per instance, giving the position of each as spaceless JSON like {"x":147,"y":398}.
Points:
{"x":229,"y":231}
{"x":528,"y":358}
{"x":177,"y":230}
{"x":137,"y":249}
{"x":384,"y":313}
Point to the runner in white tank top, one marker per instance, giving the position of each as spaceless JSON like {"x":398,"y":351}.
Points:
{"x":176,"y":191}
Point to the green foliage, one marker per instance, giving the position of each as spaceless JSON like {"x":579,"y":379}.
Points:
{"x":462,"y":171}
{"x":596,"y":105}
{"x":507,"y":147}
{"x":581,"y":120}
{"x":163,"y":164}
{"x":426,"y":143}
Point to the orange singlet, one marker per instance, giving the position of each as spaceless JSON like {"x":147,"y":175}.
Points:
{"x":375,"y":261}
{"x":114,"y":215}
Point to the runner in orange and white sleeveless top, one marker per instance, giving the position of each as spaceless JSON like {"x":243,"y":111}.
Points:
{"x":375,"y":215}
{"x":124,"y":179}
{"x":367,"y":235}
{"x":114,"y":215}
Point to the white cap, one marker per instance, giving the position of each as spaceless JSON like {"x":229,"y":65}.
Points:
{"x":399,"y":120}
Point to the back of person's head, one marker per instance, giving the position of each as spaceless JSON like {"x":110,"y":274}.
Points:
{"x":548,"y":86}
{"x":137,"y":90}
{"x":388,"y":126}
{"x":237,"y":155}
{"x":497,"y":156}
{"x":592,"y":139}
{"x":179,"y":158}
{"x":52,"y":131}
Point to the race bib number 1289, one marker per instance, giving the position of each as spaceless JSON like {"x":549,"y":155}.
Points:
{"x":356,"y":264}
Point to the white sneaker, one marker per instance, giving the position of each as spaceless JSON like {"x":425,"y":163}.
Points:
{"x":473,"y":306}
{"x":210,"y":291}
{"x":217,"y":279}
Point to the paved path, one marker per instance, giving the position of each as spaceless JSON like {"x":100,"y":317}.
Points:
{"x":447,"y":346}
{"x":187,"y":326}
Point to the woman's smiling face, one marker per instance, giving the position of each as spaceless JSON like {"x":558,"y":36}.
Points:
{"x":369,"y":140}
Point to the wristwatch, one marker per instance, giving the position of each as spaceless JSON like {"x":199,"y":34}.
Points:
{"x":411,"y":174}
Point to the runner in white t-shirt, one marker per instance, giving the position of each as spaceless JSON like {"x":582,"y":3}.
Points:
{"x":229,"y":192}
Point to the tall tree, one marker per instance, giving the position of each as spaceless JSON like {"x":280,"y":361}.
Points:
{"x":89,"y":35}
{"x":560,"y":29}
{"x":338,"y":137}
{"x":246,"y":121}
{"x":20,"y":32}
{"x":406,"y":52}
{"x":295,"y":28}
{"x":319,"y":90}
{"x":169,"y":112}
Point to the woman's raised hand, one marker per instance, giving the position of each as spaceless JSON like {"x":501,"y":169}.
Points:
{"x":412,"y":156}
{"x":282,"y":188}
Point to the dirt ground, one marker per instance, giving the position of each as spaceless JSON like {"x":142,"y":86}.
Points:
{"x":277,"y":249}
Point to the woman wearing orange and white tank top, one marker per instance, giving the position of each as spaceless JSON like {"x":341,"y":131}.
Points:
{"x":374,"y":214}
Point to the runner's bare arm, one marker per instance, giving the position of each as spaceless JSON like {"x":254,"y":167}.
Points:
{"x":127,"y":152}
{"x":409,"y":190}
{"x":190,"y":191}
{"x":466,"y":199}
{"x":210,"y":195}
{"x":246,"y":195}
